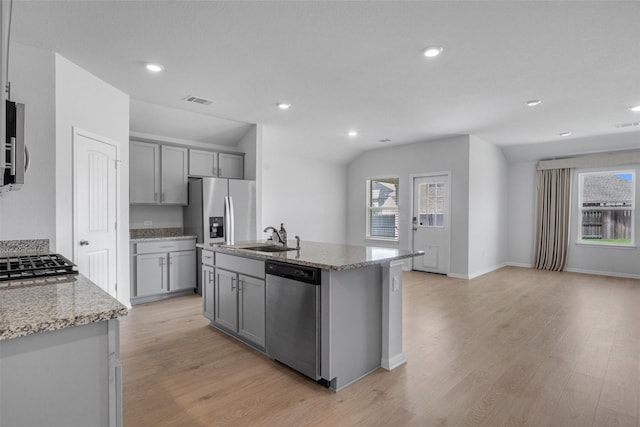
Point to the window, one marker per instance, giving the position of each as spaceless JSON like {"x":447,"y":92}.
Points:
{"x":431,"y":204}
{"x":382,"y":208}
{"x":606,"y":203}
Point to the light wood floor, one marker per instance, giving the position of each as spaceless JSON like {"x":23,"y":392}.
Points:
{"x":515,"y":347}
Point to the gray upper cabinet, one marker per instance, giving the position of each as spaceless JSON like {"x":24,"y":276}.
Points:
{"x":157,"y":174}
{"x":203,"y":163}
{"x":144,"y":173}
{"x":175,"y":190}
{"x":231,"y":166}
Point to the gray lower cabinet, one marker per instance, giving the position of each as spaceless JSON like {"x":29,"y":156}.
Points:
{"x":233,"y":292}
{"x":162,"y":269}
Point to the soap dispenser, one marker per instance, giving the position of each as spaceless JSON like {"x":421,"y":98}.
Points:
{"x":283,"y":234}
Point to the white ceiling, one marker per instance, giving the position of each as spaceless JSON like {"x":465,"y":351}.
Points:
{"x":358,"y":65}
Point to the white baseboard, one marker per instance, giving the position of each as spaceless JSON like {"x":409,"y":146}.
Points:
{"x":603,"y":273}
{"x":458,"y":276}
{"x":518,"y":264}
{"x":394,"y":362}
{"x":486,"y":270}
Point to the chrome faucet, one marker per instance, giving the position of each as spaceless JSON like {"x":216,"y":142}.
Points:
{"x":277,"y":234}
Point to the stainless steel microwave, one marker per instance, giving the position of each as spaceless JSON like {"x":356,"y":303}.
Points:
{"x":16,"y":157}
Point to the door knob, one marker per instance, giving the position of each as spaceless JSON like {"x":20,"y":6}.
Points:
{"x":84,"y":242}
{"x":415,"y":228}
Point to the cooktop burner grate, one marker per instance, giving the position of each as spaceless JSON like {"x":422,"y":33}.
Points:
{"x":28,"y":266}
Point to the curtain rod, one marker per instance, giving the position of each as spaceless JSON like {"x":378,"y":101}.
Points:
{"x":616,"y":158}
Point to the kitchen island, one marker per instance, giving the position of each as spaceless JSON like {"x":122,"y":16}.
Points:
{"x":360,"y":301}
{"x":59,"y":353}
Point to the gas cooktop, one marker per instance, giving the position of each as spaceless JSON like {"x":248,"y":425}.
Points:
{"x":35,"y":266}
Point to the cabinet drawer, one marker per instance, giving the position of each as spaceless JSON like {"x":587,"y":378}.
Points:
{"x":165,"y":246}
{"x":250,"y":267}
{"x":208,"y":258}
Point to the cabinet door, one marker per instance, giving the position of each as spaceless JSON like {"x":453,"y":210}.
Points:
{"x":203,"y":163}
{"x":251,"y":301}
{"x":225,"y":299}
{"x":207,"y":291}
{"x":151,"y":274}
{"x":144,"y":173}
{"x":174,"y":176}
{"x":231,"y":166}
{"x":182,"y":270}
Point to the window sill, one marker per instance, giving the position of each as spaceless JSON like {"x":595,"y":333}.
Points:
{"x":605,"y":245}
{"x":381,"y":239}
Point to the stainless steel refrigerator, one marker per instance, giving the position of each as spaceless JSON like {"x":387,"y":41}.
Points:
{"x":220,"y":211}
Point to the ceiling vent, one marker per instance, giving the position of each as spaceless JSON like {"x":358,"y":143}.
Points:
{"x":198,"y":100}
{"x":626,"y":125}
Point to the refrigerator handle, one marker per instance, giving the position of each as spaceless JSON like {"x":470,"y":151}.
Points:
{"x":228,"y":220}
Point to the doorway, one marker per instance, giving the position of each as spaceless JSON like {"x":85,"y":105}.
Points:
{"x":431,"y":222}
{"x":95,"y":183}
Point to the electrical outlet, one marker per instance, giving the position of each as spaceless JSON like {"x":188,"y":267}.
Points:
{"x":148,"y":222}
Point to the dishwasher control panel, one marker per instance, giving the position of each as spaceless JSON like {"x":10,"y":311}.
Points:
{"x":300,"y":273}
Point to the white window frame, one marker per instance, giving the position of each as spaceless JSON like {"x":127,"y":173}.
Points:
{"x":369,"y":210}
{"x":581,"y":209}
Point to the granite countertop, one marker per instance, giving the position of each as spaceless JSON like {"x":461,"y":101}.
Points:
{"x":32,"y":306}
{"x":328,"y":256}
{"x":151,"y":234}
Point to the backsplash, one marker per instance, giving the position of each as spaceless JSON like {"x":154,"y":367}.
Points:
{"x":149,"y":233}
{"x":24,"y":247}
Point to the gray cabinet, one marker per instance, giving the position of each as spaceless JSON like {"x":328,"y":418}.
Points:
{"x":237,"y":295}
{"x":144,"y":173}
{"x":203,"y":163}
{"x":162,"y":269}
{"x":157,"y":174}
{"x":251,"y":306}
{"x":207,"y":291}
{"x":225,"y":305}
{"x":230,"y":166}
{"x":215,"y":164}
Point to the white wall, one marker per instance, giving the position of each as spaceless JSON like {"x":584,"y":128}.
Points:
{"x":451,"y":154}
{"x":615,"y":261}
{"x":521,"y":197}
{"x":306,"y":194}
{"x":30,"y":212}
{"x":522,"y":207}
{"x":488,"y":176}
{"x":86,"y":102}
{"x":248,"y":146}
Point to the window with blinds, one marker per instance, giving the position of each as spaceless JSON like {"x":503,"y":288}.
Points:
{"x":382,"y":208}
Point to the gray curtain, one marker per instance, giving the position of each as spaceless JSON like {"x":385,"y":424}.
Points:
{"x":552,"y":223}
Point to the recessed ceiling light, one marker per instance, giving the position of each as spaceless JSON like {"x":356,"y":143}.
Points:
{"x":284,"y":106}
{"x":533,"y":102}
{"x":352,"y":133}
{"x":432,"y":51}
{"x":154,"y":68}
{"x":635,"y":109}
{"x":565,"y":134}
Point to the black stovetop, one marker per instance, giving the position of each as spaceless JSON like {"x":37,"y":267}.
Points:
{"x":29,"y":266}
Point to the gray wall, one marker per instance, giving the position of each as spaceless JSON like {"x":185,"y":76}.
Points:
{"x":488,"y":183}
{"x":451,"y":154}
{"x":30,"y":212}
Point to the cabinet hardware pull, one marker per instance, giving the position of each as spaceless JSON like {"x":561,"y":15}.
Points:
{"x":233,"y":287}
{"x":210,"y":273}
{"x":84,"y":242}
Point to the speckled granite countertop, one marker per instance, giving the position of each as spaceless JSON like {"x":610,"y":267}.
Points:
{"x":29,"y":308}
{"x":322,"y":255}
{"x":151,"y":234}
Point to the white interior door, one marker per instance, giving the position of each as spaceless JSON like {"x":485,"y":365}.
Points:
{"x":431,"y":222}
{"x":95,"y":183}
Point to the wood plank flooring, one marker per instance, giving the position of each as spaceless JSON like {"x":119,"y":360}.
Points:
{"x":516,"y":347}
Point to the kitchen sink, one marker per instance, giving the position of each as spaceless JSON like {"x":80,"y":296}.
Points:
{"x":269,"y":249}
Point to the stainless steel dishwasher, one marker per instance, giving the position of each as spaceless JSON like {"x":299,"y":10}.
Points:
{"x":293,"y":317}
